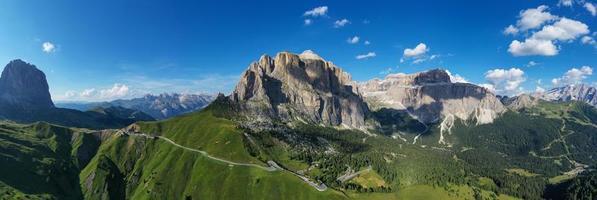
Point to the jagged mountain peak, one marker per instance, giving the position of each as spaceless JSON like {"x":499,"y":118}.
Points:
{"x":300,"y":87}
{"x":521,"y":101}
{"x":573,"y":92}
{"x":23,"y":85}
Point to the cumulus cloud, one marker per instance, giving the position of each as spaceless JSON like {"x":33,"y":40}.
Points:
{"x":591,"y":8}
{"x":70,"y":94}
{"x":88,"y":93}
{"x":366,"y":56}
{"x":533,"y":47}
{"x":318,"y":11}
{"x":564,"y":29}
{"x":489,"y":87}
{"x":505,"y":81}
{"x":353,"y":40}
{"x":419,"y":50}
{"x":341,"y":23}
{"x":573,"y":76}
{"x":367,"y":42}
{"x":456,"y":78}
{"x":48,"y":47}
{"x":510,"y":30}
{"x":308,"y":22}
{"x":587,"y":40}
{"x":539,"y":89}
{"x":532,"y":63}
{"x":117,"y":91}
{"x":543,"y":42}
{"x":534,"y":18}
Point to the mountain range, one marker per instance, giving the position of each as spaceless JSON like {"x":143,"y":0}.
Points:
{"x":298,"y":127}
{"x":577,"y":92}
{"x":160,"y":106}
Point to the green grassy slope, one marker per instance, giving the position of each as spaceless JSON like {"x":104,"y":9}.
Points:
{"x":42,"y":160}
{"x":156,"y":169}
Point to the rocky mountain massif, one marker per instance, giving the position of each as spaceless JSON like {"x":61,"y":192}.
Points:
{"x":431,"y":97}
{"x":24,"y":86}
{"x":25,"y":98}
{"x":579,"y":92}
{"x":160,"y":106}
{"x":303,"y":87}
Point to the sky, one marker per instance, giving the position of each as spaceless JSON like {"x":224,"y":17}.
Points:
{"x":111,"y":49}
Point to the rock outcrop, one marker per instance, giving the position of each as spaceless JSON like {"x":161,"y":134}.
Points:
{"x":24,"y":86}
{"x":431,"y":96}
{"x":580,"y":92}
{"x":520,"y":102}
{"x":25,"y":98}
{"x":301,"y":87}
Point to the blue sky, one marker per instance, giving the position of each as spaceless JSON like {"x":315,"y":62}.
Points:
{"x":102,"y":50}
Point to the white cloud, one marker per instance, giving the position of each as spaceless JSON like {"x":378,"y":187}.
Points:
{"x":587,"y":40}
{"x":532,"y":63}
{"x":367,"y":42}
{"x":510,"y":30}
{"x":456,"y":78}
{"x":48,"y":47}
{"x":341,"y":23}
{"x":564,"y":29}
{"x":567,"y":3}
{"x":353,"y":40}
{"x":308,"y":22}
{"x":366,"y":56}
{"x":573,"y":76}
{"x":539,"y":89}
{"x":534,"y":18}
{"x":506,"y":81}
{"x":117,"y":91}
{"x":419,"y":50}
{"x":88,"y":93}
{"x":489,"y":87}
{"x":419,"y":60}
{"x":591,"y":8}
{"x":315,"y":12}
{"x":70,"y":94}
{"x":543,"y":42}
{"x":533,"y":47}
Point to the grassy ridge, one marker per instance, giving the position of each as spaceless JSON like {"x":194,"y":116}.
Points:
{"x":38,"y":161}
{"x":155,"y":169}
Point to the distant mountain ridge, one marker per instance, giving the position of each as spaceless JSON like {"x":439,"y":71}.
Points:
{"x":160,"y":106}
{"x":578,"y":92}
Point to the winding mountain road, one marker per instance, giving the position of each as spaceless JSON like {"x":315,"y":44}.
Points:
{"x":273,"y":166}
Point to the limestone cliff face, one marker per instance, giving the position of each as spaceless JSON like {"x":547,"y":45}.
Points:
{"x":301,"y":87}
{"x":431,"y":96}
{"x":24,"y":86}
